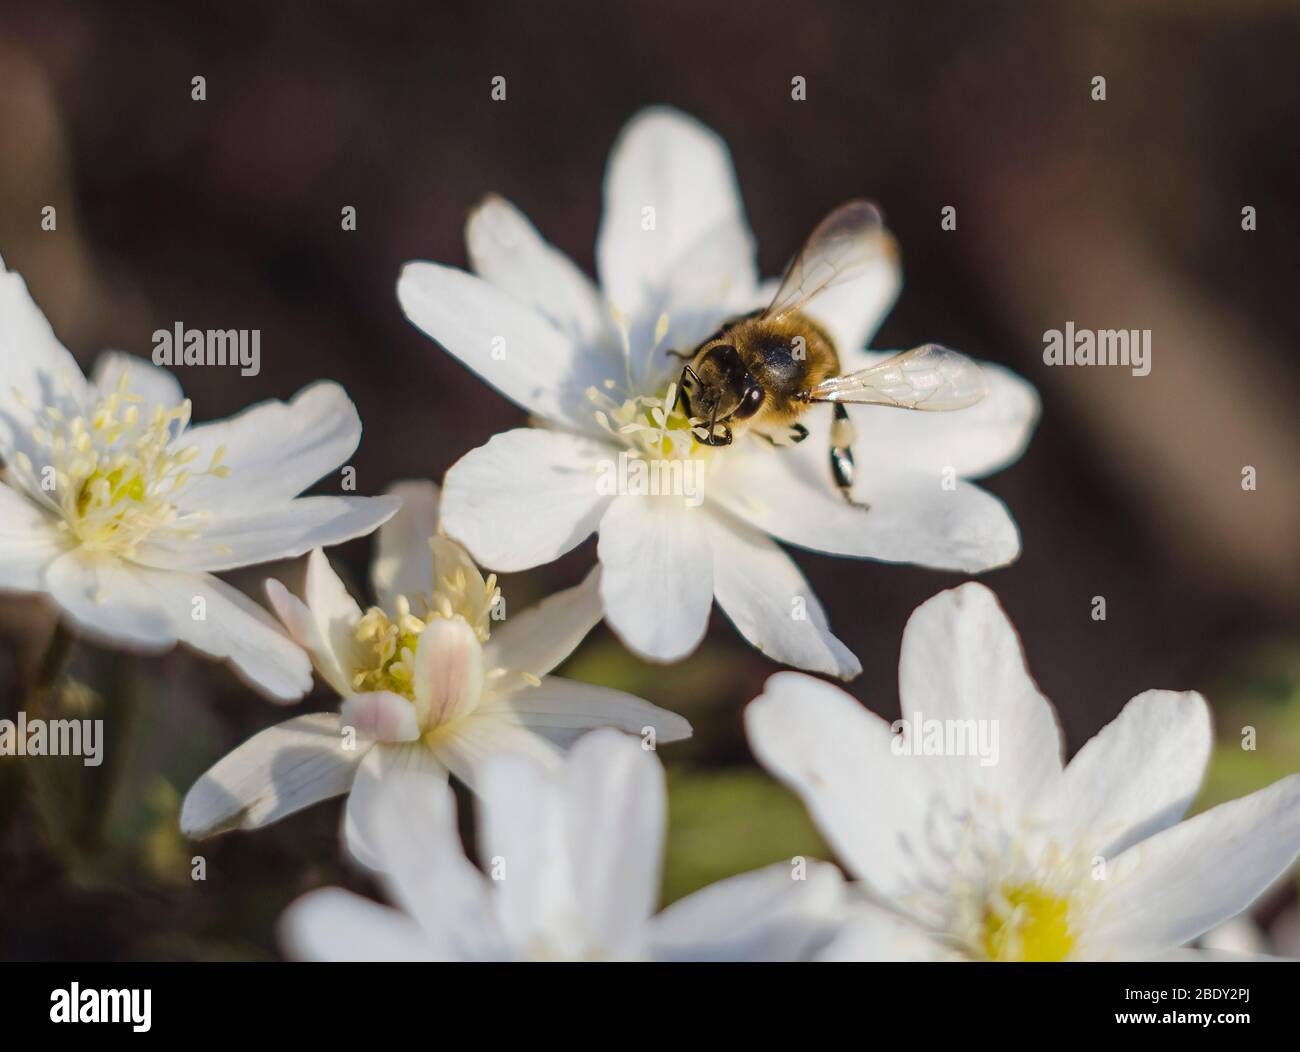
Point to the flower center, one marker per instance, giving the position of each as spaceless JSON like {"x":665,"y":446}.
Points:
{"x":113,"y":475}
{"x":1023,"y":922}
{"x":388,"y":644}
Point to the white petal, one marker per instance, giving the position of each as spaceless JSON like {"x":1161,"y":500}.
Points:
{"x":154,"y":385}
{"x":275,"y":773}
{"x":274,"y":449}
{"x":911,"y":517}
{"x":282,"y":530}
{"x":382,"y":715}
{"x":506,"y":342}
{"x":29,"y":543}
{"x":325,"y":625}
{"x":852,"y":312}
{"x":961,"y":660}
{"x":869,"y":803}
{"x":120,"y":602}
{"x":971,"y":442}
{"x":1183,"y":881}
{"x":331,"y":924}
{"x":388,"y":770}
{"x":870,"y":933}
{"x":465,"y":746}
{"x":448,"y":681}
{"x":108,"y":601}
{"x":615,"y":803}
{"x":562,"y":710}
{"x":403,"y":563}
{"x":410,"y":824}
{"x":540,"y":638}
{"x":525,"y":498}
{"x":521,"y":839}
{"x":1140,"y":773}
{"x":669,"y":163}
{"x":770,"y":914}
{"x":37,"y":368}
{"x":771,"y":603}
{"x":656,"y":575}
{"x":505,"y":249}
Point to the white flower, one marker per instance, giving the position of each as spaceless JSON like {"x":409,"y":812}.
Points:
{"x":119,"y":511}
{"x":1023,"y":857}
{"x":572,"y":860}
{"x":676,"y":258}
{"x":429,"y":685}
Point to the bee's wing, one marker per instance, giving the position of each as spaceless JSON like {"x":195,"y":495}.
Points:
{"x":928,"y":377}
{"x":843,"y":245}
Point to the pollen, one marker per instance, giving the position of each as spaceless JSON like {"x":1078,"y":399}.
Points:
{"x":114,"y":474}
{"x":387,"y":641}
{"x":1023,"y":922}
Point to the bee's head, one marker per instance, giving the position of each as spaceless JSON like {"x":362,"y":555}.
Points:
{"x":721,"y":388}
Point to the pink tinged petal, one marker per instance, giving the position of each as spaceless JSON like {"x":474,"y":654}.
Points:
{"x":467,"y":745}
{"x":972,"y":442}
{"x":275,"y":773}
{"x":962,"y":661}
{"x":29,"y":543}
{"x":869,"y":803}
{"x":38,"y":370}
{"x":526,"y":497}
{"x":389,"y":771}
{"x":1171,"y":887}
{"x":325,"y":625}
{"x":382,"y":715}
{"x":403,"y":563}
{"x":777,"y":913}
{"x":506,"y":342}
{"x":539,"y":639}
{"x":506,"y":249}
{"x":668,"y":162}
{"x":151,"y":383}
{"x":449,"y":671}
{"x":911,"y":518}
{"x":615,"y":806}
{"x":770,"y":602}
{"x":331,"y":924}
{"x":656,"y":575}
{"x":274,"y":449}
{"x":1140,"y":773}
{"x":247,"y":537}
{"x":562,"y":710}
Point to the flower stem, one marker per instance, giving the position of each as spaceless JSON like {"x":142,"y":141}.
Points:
{"x":51,"y":670}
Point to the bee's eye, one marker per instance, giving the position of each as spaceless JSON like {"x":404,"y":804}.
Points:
{"x":750,"y":402}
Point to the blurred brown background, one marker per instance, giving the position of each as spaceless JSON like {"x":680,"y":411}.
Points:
{"x":1117,"y":214}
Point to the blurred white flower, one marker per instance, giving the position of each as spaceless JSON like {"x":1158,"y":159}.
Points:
{"x":429,"y":684}
{"x":676,"y":259}
{"x":1024,"y":858}
{"x":572,"y":873}
{"x":119,"y":510}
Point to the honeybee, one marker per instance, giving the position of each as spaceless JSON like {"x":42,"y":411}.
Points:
{"x":760,"y":372}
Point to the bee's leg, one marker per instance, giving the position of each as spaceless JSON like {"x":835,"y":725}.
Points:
{"x":680,"y":354}
{"x":843,"y":436}
{"x":793,"y":437}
